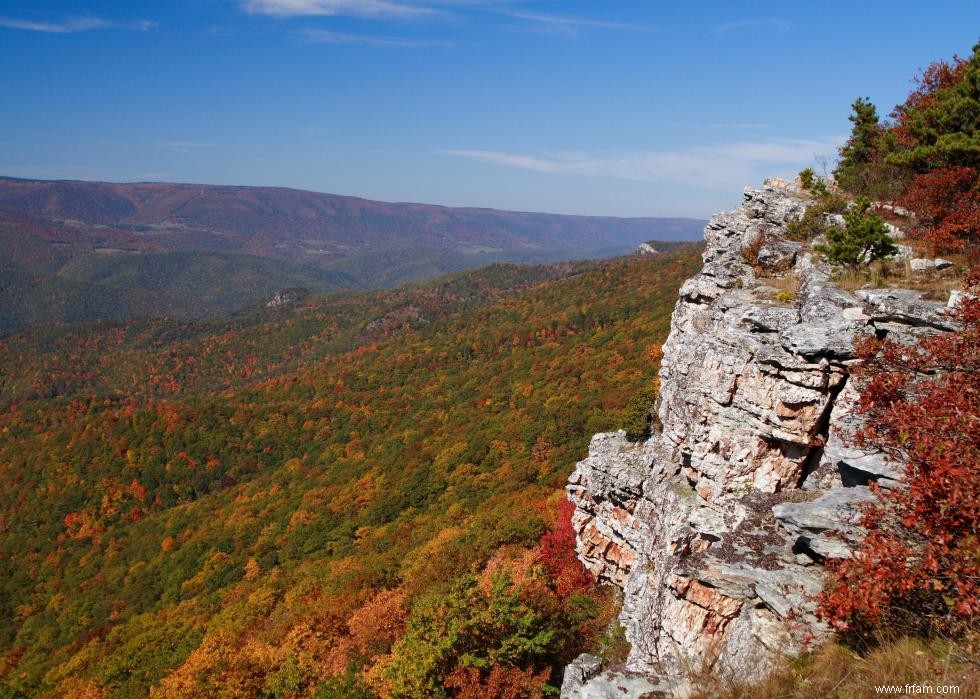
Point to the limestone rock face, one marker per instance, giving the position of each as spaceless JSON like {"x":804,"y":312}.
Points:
{"x":287,"y":297}
{"x":717,"y":526}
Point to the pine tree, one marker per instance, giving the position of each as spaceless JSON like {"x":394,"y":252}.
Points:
{"x":938,"y":134}
{"x":863,"y":239}
{"x":939,"y":124}
{"x":861,"y":152}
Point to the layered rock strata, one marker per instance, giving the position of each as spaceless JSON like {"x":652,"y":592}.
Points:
{"x":718,"y":525}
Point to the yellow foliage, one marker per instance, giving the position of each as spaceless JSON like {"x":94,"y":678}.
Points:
{"x":252,"y":569}
{"x":81,"y":688}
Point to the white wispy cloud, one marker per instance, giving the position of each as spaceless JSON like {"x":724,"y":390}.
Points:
{"x":571,"y":25}
{"x":714,"y":167}
{"x":73,"y":25}
{"x":323,"y":36}
{"x":142,"y":25}
{"x":388,"y":9}
{"x":350,"y":8}
{"x":68,"y":26}
{"x":775,"y":24}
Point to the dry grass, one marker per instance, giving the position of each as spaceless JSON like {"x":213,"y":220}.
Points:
{"x":787,"y":282}
{"x":782,"y":289}
{"x":835,"y":671}
{"x":899,"y":274}
{"x":750,"y":250}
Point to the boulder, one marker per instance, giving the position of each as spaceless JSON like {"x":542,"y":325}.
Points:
{"x":904,"y":253}
{"x":618,"y":685}
{"x":956,"y":296}
{"x":894,"y":231}
{"x":906,"y":307}
{"x":919,"y":264}
{"x":777,"y":255}
{"x":577,"y":673}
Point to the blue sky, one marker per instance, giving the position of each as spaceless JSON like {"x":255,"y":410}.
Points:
{"x":621,"y":108}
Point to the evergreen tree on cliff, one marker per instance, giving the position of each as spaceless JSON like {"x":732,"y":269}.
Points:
{"x":938,"y":135}
{"x":927,"y":157}
{"x":863,"y":239}
{"x":860,"y":155}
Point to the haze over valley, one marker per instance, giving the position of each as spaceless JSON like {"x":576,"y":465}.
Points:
{"x":72,"y":251}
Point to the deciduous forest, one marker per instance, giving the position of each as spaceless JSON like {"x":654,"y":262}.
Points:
{"x":349,"y":495}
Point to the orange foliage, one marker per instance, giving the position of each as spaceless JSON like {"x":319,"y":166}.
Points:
{"x":375,"y":625}
{"x":500,"y":683}
{"x":655,"y":353}
{"x":137,"y":491}
{"x":252,"y":569}
{"x":518,"y":563}
{"x":78,"y":688}
{"x":947,"y":203}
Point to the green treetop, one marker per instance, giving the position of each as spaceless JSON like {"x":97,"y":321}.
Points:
{"x":863,"y":239}
{"x":861,"y":150}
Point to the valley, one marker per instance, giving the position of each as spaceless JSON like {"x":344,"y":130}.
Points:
{"x":227,"y":501}
{"x":75,"y":251}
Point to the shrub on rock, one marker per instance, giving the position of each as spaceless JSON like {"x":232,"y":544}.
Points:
{"x":919,"y":567}
{"x":864,"y":238}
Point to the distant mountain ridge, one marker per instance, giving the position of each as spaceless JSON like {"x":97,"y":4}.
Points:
{"x":188,"y":250}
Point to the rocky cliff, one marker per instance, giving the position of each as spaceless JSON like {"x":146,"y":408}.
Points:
{"x":717,"y":526}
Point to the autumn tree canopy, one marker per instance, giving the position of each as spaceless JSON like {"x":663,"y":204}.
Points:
{"x":927,"y":156}
{"x":295,"y":502}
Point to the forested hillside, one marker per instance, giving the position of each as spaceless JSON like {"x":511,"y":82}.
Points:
{"x":76,"y":251}
{"x":351,"y":495}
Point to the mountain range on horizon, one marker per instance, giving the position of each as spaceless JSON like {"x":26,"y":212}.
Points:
{"x":75,"y":250}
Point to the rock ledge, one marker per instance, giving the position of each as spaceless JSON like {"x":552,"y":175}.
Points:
{"x":717,"y":526}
